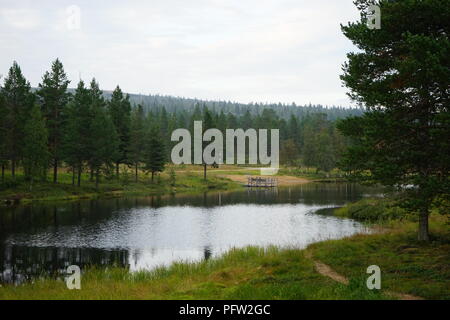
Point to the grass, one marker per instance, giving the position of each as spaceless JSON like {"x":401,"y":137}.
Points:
{"x":189,"y":179}
{"x":249,"y":273}
{"x":334,"y":175}
{"x":19,"y":190}
{"x":407,"y":266}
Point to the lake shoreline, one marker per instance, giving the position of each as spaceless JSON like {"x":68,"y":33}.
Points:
{"x":189,"y":180}
{"x":64,"y":192}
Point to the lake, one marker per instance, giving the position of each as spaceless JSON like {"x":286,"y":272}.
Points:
{"x":142,"y":233}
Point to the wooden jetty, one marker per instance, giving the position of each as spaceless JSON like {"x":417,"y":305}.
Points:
{"x":260,"y":182}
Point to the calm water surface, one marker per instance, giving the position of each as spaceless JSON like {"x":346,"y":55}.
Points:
{"x":141,"y":233}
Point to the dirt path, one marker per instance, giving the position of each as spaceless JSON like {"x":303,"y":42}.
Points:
{"x":282,"y":180}
{"x":327,"y":271}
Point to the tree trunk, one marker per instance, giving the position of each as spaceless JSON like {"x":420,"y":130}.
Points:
{"x":423,"y":226}
{"x":153,"y":176}
{"x":79,"y":175}
{"x":3,"y":172}
{"x":204,"y":171}
{"x":73,"y":175}
{"x":91,"y":179}
{"x":117,"y":169}
{"x":136,"y":172}
{"x":55,"y":171}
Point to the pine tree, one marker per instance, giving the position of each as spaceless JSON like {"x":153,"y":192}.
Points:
{"x":137,"y":139}
{"x":77,"y":135}
{"x":3,"y":135}
{"x":402,"y":75}
{"x":293,"y":130}
{"x":318,"y":148}
{"x":35,"y":153}
{"x":326,"y":159}
{"x":120,"y":111}
{"x":182,"y":120}
{"x":246,"y":122}
{"x":19,"y":101}
{"x":154,"y":157}
{"x":103,"y":138}
{"x":105,"y":143}
{"x":196,"y":116}
{"x":164,"y":124}
{"x":173,"y":122}
{"x":289,"y":152}
{"x":232,"y":122}
{"x":54,"y":95}
{"x":208,"y":123}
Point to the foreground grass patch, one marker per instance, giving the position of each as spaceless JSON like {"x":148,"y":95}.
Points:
{"x":407,"y":266}
{"x":250,"y":273}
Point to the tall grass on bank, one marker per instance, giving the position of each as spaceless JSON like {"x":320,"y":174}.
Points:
{"x":249,"y":273}
{"x":407,"y":265}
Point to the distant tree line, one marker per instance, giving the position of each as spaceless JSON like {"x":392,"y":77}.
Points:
{"x":86,"y":130}
{"x":284,"y":111}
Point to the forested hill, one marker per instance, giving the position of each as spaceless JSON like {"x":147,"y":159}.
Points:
{"x":177,"y":104}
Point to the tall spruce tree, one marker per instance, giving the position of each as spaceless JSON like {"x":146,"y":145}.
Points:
{"x":318,"y":143}
{"x":293,"y":129}
{"x":120,"y":111}
{"x":35,"y":152}
{"x":54,"y":96}
{"x":208,"y":123}
{"x":402,"y":75}
{"x":246,"y":121}
{"x":289,"y":152}
{"x":154,"y":156}
{"x":137,"y":139}
{"x":3,"y":135}
{"x":77,"y":135}
{"x":103,"y":138}
{"x":18,"y":102}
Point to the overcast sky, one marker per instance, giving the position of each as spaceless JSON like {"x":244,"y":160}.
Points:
{"x":239,"y":50}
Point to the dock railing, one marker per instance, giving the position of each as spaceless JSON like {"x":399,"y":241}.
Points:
{"x":260,"y":182}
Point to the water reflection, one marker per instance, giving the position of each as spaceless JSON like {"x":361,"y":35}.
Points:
{"x":141,"y":233}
